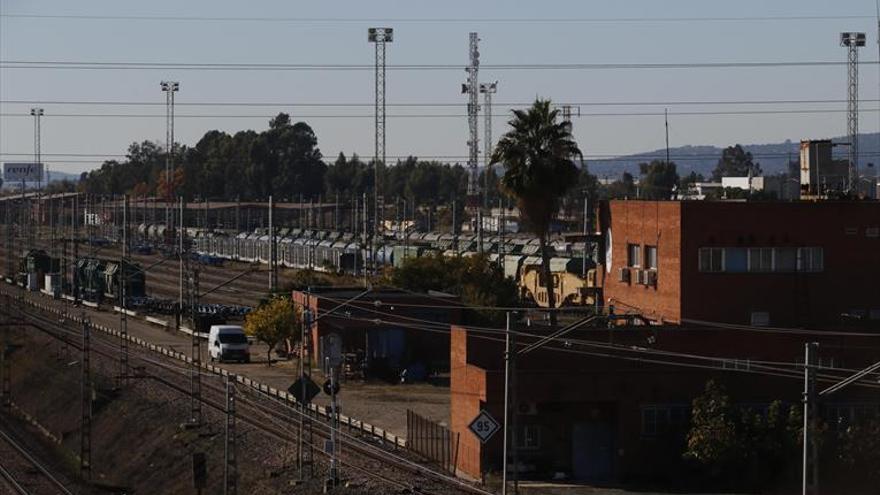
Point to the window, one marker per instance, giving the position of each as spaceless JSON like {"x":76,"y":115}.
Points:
{"x":651,"y":257}
{"x":529,"y":437}
{"x":659,"y":419}
{"x":760,"y":259}
{"x":736,"y":260}
{"x":711,"y":259}
{"x":759,"y":319}
{"x":811,"y":259}
{"x":786,"y":260}
{"x":633,"y":255}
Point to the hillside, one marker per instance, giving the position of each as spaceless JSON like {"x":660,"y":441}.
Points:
{"x":702,"y":159}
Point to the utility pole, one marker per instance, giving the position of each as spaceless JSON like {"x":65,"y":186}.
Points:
{"x":74,"y":217}
{"x":510,"y":409}
{"x":195,"y":354}
{"x":379,"y":37}
{"x":810,"y":468}
{"x":586,"y":232}
{"x":230,"y":466}
{"x":273,"y":251}
{"x":85,"y":432}
{"x":305,"y":373}
{"x":124,"y":277}
{"x":366,"y":249}
{"x":5,"y":364}
{"x":488,"y":89}
{"x":181,"y":259}
{"x":169,"y":87}
{"x":333,"y":477}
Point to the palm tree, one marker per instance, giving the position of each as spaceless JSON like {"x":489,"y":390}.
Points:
{"x":537,"y":156}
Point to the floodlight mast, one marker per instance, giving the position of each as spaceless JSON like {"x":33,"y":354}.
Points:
{"x":379,"y":37}
{"x":853,"y":41}
{"x":169,"y":87}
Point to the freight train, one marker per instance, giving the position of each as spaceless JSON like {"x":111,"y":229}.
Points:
{"x":344,"y":252}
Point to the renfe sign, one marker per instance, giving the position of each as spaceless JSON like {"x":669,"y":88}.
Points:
{"x":28,"y":172}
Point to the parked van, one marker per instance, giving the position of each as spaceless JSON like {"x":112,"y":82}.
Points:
{"x":228,"y":343}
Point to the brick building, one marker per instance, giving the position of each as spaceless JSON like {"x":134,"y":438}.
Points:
{"x":376,"y":326}
{"x":799,"y":264}
{"x":616,"y":411}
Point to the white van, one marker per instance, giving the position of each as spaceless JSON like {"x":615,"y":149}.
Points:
{"x":228,"y":342}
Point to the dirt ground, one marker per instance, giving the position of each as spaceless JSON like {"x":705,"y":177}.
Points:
{"x":138,"y":444}
{"x":380,"y":404}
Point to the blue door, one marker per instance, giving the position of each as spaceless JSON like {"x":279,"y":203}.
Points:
{"x":592,"y":451}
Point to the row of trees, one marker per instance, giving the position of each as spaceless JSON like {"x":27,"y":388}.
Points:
{"x":738,"y":447}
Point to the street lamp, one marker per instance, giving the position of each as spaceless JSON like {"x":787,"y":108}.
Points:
{"x":37,"y":113}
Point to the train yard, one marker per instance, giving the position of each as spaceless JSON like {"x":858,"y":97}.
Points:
{"x":22,"y":473}
{"x":367,"y":462}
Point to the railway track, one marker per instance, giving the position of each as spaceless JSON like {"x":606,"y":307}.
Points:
{"x":22,"y":472}
{"x":269,"y":414}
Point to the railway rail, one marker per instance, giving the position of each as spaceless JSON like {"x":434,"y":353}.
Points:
{"x":265,"y":412}
{"x":23,"y":472}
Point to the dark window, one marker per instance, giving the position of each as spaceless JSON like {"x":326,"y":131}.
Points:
{"x":651,"y":257}
{"x":232,"y":338}
{"x":711,"y":259}
{"x":633,"y":255}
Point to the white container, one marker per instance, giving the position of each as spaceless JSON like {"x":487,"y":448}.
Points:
{"x":52,"y":284}
{"x":33,"y":282}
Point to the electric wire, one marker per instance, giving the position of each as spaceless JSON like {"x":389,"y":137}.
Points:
{"x":221,"y":66}
{"x":442,"y":20}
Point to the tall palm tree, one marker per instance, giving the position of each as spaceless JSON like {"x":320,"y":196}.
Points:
{"x":537,"y":154}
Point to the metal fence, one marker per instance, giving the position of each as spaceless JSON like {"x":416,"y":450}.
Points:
{"x":432,"y":440}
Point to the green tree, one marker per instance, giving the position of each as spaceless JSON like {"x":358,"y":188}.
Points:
{"x":272,"y":322}
{"x":659,"y":178}
{"x":623,"y":188}
{"x":712,"y":439}
{"x":537,"y":154}
{"x":477,"y":281}
{"x":735,"y":162}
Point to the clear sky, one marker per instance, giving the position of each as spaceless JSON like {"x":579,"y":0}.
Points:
{"x":433,"y":33}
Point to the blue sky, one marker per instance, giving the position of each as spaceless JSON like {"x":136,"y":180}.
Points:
{"x":526,"y":38}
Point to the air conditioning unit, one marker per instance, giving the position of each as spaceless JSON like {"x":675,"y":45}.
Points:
{"x":651,"y":278}
{"x":624,"y":274}
{"x":527,"y":408}
{"x":641,"y":278}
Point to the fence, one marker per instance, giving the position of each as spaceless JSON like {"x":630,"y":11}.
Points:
{"x":432,"y":440}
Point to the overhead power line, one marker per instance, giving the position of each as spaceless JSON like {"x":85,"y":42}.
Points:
{"x":501,"y":116}
{"x":441,"y":20}
{"x":429,"y":104}
{"x":91,"y":65}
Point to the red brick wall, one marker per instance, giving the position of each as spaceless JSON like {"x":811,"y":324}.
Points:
{"x":467,"y":393}
{"x":849,"y":280}
{"x":646,"y":223}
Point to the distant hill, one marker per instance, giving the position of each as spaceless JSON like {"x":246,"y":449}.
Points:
{"x":702,"y":159}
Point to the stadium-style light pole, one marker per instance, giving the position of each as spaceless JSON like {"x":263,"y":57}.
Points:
{"x":169,"y":88}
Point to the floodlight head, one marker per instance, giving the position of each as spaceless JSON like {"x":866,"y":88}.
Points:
{"x":852,"y":39}
{"x":36,"y":111}
{"x":378,"y":35}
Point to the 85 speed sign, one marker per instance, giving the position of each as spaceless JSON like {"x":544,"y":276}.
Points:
{"x":484,"y":426}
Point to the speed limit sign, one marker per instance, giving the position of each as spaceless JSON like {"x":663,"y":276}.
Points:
{"x":484,"y":426}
